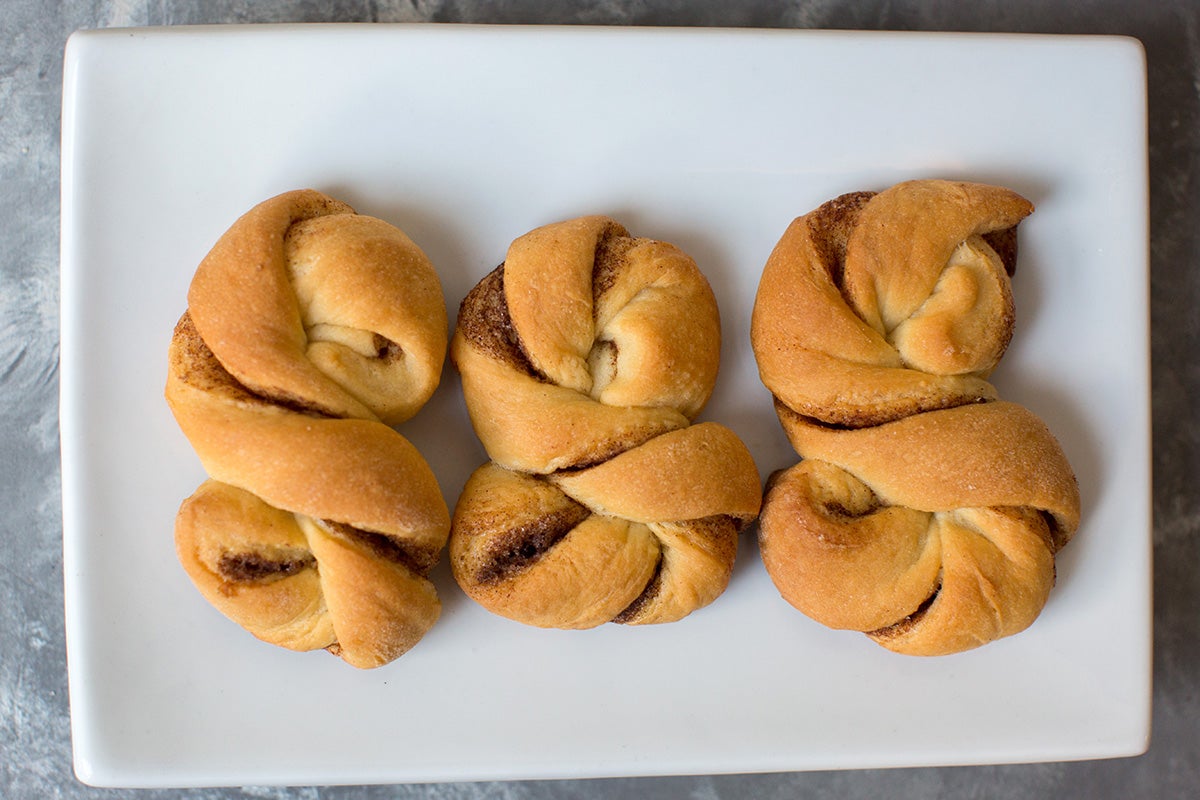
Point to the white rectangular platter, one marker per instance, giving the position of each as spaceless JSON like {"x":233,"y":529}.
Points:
{"x":467,"y":137}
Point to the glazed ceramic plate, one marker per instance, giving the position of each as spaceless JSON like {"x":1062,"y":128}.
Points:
{"x":714,"y":140}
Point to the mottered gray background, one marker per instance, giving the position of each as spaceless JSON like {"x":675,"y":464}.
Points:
{"x":35,"y":748}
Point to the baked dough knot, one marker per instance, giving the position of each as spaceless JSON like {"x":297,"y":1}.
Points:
{"x":925,"y":512}
{"x":310,"y":330}
{"x":584,"y":358}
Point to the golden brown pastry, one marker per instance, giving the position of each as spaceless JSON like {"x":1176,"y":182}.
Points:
{"x":310,"y":329}
{"x":925,"y":512}
{"x":584,"y":358}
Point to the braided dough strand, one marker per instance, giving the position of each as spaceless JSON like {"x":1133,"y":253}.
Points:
{"x":306,"y":301}
{"x":308,"y":326}
{"x":926,"y":512}
{"x":584,"y":358}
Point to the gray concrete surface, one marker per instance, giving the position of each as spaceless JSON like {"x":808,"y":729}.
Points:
{"x":35,"y":750}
